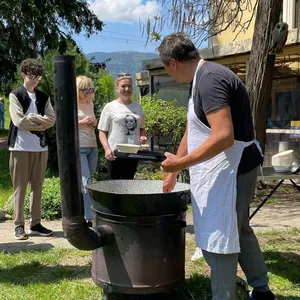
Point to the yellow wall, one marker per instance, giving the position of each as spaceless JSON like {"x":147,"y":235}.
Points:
{"x":229,"y":36}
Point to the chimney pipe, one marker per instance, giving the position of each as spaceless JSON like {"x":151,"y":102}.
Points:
{"x":74,"y":225}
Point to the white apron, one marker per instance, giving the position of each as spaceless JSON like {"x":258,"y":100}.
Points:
{"x":213,"y":189}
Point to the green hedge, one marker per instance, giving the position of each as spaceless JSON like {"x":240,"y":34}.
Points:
{"x":51,"y":200}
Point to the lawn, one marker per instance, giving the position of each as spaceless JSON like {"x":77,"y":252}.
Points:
{"x":5,"y":181}
{"x":65,"y":273}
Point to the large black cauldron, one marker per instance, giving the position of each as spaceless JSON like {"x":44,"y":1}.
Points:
{"x":148,"y":253}
{"x":140,"y":229}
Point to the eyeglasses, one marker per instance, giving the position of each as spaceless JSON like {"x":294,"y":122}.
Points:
{"x":123,"y":75}
{"x":33,"y":77}
{"x":88,"y":91}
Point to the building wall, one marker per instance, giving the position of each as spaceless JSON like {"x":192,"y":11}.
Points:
{"x":290,"y":14}
{"x":230,"y":34}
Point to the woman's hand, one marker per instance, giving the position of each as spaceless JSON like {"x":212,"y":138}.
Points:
{"x":93,"y":120}
{"x":109,"y":155}
{"x":89,"y":120}
{"x":143,"y":139}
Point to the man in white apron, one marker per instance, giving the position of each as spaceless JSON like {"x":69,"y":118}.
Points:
{"x":219,"y":149}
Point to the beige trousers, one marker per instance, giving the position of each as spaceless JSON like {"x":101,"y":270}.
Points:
{"x":28,"y":167}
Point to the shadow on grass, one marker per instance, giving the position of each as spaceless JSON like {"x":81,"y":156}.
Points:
{"x":284,"y":264}
{"x":35,"y":272}
{"x":3,"y":133}
{"x":189,"y":229}
{"x":195,"y":287}
{"x":18,"y":247}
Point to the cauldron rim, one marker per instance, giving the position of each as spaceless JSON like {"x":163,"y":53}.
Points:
{"x":90,"y":188}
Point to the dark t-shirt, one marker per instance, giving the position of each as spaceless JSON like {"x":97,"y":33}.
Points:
{"x":218,"y":87}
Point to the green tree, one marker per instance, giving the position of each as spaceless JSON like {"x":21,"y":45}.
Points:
{"x":83,"y":67}
{"x":28,"y":28}
{"x":105,"y":87}
{"x":164,"y":118}
{"x":203,"y":19}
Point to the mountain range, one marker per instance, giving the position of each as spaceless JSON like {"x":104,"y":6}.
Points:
{"x":122,"y":61}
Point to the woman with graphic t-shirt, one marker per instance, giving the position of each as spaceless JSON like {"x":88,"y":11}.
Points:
{"x":122,"y":121}
{"x":87,"y":138}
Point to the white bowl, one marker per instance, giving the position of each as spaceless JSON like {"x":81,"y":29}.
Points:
{"x":128,"y":148}
{"x":145,"y":147}
{"x":280,"y":169}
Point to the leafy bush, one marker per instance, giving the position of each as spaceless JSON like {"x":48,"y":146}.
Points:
{"x":103,"y":82}
{"x":164,"y":118}
{"x":51,"y":200}
{"x":150,"y":175}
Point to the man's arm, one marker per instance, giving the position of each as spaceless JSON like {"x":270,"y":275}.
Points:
{"x":47,"y":120}
{"x":170,"y":179}
{"x":18,"y":118}
{"x":222,"y":138}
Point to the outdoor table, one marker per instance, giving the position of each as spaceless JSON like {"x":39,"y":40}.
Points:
{"x":270,"y":174}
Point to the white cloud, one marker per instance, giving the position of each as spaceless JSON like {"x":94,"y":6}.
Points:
{"x":124,"y":11}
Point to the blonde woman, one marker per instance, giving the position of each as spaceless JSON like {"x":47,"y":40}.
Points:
{"x":122,"y":121}
{"x":87,"y":138}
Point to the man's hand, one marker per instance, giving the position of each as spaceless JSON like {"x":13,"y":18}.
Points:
{"x":33,"y":118}
{"x":172,"y":163}
{"x":169,"y":182}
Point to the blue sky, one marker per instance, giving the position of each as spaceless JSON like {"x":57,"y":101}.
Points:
{"x":117,"y":37}
{"x":123,"y":31}
{"x":123,"y":21}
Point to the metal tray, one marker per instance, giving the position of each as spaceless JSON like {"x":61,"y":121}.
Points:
{"x":144,"y":155}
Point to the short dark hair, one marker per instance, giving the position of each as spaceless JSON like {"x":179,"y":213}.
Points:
{"x":177,"y":46}
{"x":32,"y":66}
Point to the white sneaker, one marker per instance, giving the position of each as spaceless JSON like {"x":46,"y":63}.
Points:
{"x":197,"y":255}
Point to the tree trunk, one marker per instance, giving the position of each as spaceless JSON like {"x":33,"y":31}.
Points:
{"x":261,"y":65}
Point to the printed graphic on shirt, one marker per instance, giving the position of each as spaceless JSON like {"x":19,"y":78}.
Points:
{"x":130,"y":124}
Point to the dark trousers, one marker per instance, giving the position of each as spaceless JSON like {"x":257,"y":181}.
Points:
{"x":121,"y":168}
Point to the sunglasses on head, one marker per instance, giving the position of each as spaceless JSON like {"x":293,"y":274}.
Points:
{"x":123,"y":75}
{"x":88,"y":91}
{"x":33,"y":77}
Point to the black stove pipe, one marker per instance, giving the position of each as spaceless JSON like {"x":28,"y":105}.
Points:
{"x":74,"y":225}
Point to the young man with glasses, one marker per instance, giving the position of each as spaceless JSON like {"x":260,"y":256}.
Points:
{"x":31,"y":115}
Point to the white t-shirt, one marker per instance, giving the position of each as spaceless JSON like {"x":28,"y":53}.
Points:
{"x":122,"y":122}
{"x":87,"y":137}
{"x":25,"y":140}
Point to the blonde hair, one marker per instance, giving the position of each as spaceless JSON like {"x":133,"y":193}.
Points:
{"x":83,"y":82}
{"x":122,"y":76}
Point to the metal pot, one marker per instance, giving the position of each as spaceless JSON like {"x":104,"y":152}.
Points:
{"x":138,"y":197}
{"x":148,"y":253}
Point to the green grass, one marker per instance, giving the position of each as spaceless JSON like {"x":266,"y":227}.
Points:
{"x":4,"y":132}
{"x":65,"y":273}
{"x":7,"y":115}
{"x":5,"y":181}
{"x":282,"y":254}
{"x":52,"y":274}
